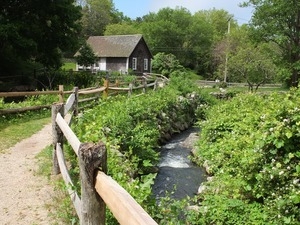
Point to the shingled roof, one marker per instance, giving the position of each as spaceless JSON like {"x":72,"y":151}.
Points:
{"x":114,"y":46}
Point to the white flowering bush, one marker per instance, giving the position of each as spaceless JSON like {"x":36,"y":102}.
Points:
{"x":251,"y":145}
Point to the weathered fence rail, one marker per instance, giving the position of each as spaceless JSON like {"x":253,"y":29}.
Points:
{"x":97,"y":189}
{"x":212,"y":83}
{"x":148,"y":80}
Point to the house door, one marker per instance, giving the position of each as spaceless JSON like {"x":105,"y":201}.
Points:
{"x":102,"y":64}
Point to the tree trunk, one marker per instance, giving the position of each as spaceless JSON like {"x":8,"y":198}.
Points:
{"x":293,"y":81}
{"x":250,"y":86}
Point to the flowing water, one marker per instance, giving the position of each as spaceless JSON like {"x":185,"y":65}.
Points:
{"x":177,"y":174}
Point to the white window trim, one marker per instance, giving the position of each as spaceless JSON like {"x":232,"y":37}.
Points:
{"x":145,"y":64}
{"x":134,"y":63}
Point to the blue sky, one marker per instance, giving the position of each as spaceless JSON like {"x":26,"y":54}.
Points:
{"x":139,"y":8}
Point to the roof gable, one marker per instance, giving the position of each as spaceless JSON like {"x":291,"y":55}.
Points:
{"x":114,"y":46}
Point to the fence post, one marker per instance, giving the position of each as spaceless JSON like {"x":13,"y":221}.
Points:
{"x":57,"y":135}
{"x":76,"y":101}
{"x":117,"y":85}
{"x":145,"y":84}
{"x":155,"y":84}
{"x":61,"y":93}
{"x":130,"y":89}
{"x":92,"y":157}
{"x":106,"y":85}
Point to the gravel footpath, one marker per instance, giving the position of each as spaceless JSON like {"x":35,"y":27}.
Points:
{"x":24,"y":196}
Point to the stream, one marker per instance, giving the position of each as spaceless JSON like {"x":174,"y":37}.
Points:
{"x":177,"y":174}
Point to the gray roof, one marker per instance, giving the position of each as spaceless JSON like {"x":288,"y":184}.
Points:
{"x":114,"y":46}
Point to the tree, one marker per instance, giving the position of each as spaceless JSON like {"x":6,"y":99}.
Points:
{"x":218,"y":20}
{"x":86,"y":56}
{"x":198,"y":43}
{"x":166,"y":31}
{"x":36,"y":31}
{"x":189,"y":37}
{"x":165,"y":64}
{"x":237,"y":38}
{"x":252,"y":64}
{"x":97,"y":14}
{"x":279,"y":21}
{"x":120,"y":29}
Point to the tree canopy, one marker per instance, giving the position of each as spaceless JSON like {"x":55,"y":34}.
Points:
{"x":252,"y":64}
{"x":36,"y":31}
{"x":189,"y":37}
{"x":279,"y":21}
{"x":86,"y":56}
{"x":124,"y":28}
{"x":165,"y":64}
{"x":96,"y":15}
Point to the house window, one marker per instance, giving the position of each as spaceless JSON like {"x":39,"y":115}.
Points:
{"x":145,"y":64}
{"x":134,"y":63}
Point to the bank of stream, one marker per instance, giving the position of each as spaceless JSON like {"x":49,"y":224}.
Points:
{"x":177,"y":174}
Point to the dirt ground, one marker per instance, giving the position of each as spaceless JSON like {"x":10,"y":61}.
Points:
{"x":25,"y":196}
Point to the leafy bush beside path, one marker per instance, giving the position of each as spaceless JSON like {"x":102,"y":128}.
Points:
{"x":251,"y":147}
{"x":132,"y":129}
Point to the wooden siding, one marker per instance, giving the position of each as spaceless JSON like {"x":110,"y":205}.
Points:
{"x":141,"y":52}
{"x":116,"y":64}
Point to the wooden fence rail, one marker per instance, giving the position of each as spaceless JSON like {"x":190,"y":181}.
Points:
{"x":233,"y":84}
{"x":125,"y":209}
{"x":27,"y":93}
{"x":106,"y":90}
{"x":97,"y":189}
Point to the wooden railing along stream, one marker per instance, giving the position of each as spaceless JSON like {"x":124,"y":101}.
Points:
{"x":98,"y":190}
{"x":146,"y":81}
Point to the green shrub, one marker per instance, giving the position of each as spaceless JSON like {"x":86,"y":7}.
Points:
{"x":131,"y":129}
{"x":51,"y":79}
{"x":251,"y":146}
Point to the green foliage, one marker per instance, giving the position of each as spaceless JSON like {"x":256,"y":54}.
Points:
{"x":131,"y":129}
{"x":133,"y":121}
{"x":34,"y":32}
{"x":39,"y":100}
{"x":220,"y":209}
{"x":165,"y":64}
{"x":12,"y":126}
{"x":218,"y":22}
{"x":186,"y":87}
{"x":222,"y":84}
{"x":121,"y":29}
{"x":51,"y":79}
{"x":166,"y":31}
{"x":277,"y":22}
{"x":60,"y":209}
{"x":96,"y":15}
{"x":250,"y":144}
{"x":252,"y":64}
{"x":69,"y":66}
{"x":86,"y":56}
{"x":190,"y":38}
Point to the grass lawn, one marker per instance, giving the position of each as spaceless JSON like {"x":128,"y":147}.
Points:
{"x":69,"y":66}
{"x":12,"y":133}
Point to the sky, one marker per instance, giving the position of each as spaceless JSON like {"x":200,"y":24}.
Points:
{"x":139,"y":8}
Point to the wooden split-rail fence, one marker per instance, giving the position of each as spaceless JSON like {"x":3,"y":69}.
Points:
{"x":98,"y":190}
{"x":148,"y":80}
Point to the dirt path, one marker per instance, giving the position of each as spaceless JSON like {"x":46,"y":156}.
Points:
{"x":24,"y":196}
